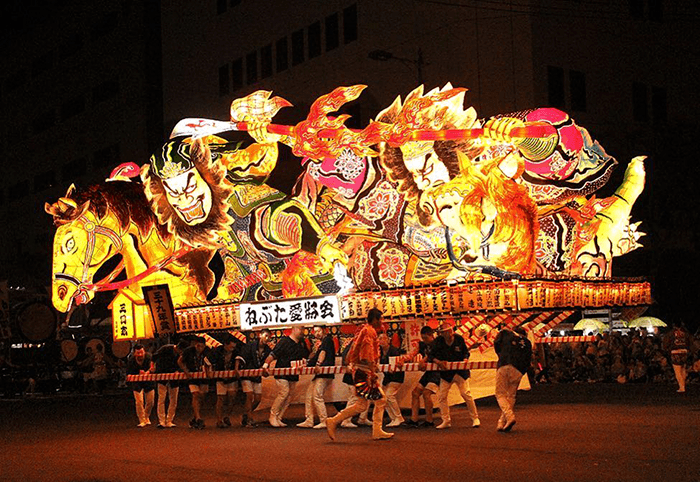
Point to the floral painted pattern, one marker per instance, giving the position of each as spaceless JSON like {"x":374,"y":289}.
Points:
{"x":381,"y":203}
{"x":392,"y":266}
{"x":349,"y":164}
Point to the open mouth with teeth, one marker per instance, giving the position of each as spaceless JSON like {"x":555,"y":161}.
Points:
{"x":193,"y":212}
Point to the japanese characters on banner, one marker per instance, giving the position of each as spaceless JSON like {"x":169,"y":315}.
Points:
{"x":413,"y":328}
{"x":322,"y":310}
{"x":161,"y":306}
{"x":123,"y":318}
{"x":495,"y":297}
{"x":218,"y":317}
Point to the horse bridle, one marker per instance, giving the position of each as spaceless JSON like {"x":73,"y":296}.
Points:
{"x":84,"y":288}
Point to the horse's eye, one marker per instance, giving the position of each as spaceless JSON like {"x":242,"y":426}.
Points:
{"x":69,"y":245}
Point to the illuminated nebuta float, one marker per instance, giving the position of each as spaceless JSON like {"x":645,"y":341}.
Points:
{"x":428,"y":212}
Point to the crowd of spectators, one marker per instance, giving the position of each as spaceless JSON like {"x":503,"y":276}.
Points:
{"x":634,"y":357}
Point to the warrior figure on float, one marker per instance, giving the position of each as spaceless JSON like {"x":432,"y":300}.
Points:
{"x":396,"y":209}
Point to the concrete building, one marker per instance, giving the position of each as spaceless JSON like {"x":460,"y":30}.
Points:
{"x":81,"y":93}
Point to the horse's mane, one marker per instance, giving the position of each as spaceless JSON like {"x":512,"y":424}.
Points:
{"x":125,"y":199}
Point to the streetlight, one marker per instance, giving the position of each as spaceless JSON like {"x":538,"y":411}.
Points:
{"x":383,"y":56}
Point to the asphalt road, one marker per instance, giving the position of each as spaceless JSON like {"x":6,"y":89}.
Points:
{"x":563,"y":433}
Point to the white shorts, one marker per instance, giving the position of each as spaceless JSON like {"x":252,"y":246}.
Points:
{"x":250,"y":386}
{"x":222,"y":388}
{"x":199,"y":388}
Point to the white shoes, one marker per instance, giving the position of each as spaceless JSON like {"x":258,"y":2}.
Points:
{"x":509,"y":425}
{"x":320,"y":425}
{"x":445,"y":424}
{"x":476,"y":423}
{"x":170,"y":425}
{"x":275,"y":422}
{"x":142,"y":424}
{"x":364,"y":421}
{"x":501,"y":425}
{"x":379,"y":434}
{"x":395,"y":422}
{"x":306,"y":424}
{"x":348,"y":424}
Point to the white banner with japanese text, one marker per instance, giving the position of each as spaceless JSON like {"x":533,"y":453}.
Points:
{"x":319,"y":310}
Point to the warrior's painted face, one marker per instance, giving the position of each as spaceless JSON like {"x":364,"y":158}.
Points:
{"x":427,"y":169}
{"x":189,"y":195}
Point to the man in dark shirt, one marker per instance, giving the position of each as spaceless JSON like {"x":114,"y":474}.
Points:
{"x":194,"y":360}
{"x":392,"y":380}
{"x":450,"y":347}
{"x":322,"y":355}
{"x":140,"y":364}
{"x":429,"y":382}
{"x":165,"y":361}
{"x":225,"y":357}
{"x":254,"y":353}
{"x":514,"y":352}
{"x":287,"y":350}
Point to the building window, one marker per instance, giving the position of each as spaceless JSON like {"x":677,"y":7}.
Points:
{"x":636,"y":8}
{"x":282,"y":52}
{"x":577,"y":90}
{"x":658,"y":105}
{"x":72,"y":107}
{"x":70,"y":47}
{"x":44,"y":122}
{"x":105,"y":91}
{"x":251,"y":67}
{"x":104,"y":26}
{"x":16,"y":80}
{"x":656,"y":10}
{"x":18,"y":190}
{"x":42,"y":64}
{"x":45,"y":180}
{"x":221,"y":6}
{"x":555,"y":86}
{"x":332,"y":38}
{"x":237,"y":73}
{"x":266,"y":61}
{"x":640,"y":109}
{"x":314,"y":33}
{"x":350,"y":24}
{"x":74,"y":169}
{"x":107,"y":157}
{"x":297,"y":47}
{"x":224,"y":80}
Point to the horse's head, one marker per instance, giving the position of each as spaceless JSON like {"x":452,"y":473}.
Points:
{"x":83,"y":243}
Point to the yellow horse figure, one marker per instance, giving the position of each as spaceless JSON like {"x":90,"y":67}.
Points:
{"x":107,"y":229}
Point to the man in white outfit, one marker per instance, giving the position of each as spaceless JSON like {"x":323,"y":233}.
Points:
{"x":392,"y":381}
{"x":287,"y":350}
{"x":144,"y":395}
{"x":165,"y":361}
{"x":323,"y":355}
{"x":449,"y":347}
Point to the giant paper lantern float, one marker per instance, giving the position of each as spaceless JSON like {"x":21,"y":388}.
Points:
{"x":426,"y":212}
